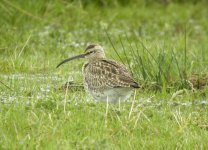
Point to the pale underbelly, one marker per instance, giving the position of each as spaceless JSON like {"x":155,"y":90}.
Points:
{"x":112,"y":95}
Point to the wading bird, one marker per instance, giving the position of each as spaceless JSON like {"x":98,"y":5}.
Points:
{"x":104,"y":79}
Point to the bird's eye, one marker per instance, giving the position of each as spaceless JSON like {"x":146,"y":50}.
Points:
{"x":90,"y":52}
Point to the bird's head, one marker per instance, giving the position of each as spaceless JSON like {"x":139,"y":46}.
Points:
{"x":92,"y":52}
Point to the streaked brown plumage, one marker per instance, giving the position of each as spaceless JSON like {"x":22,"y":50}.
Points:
{"x":105,"y":79}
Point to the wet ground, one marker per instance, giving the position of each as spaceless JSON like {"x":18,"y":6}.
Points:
{"x":25,"y":87}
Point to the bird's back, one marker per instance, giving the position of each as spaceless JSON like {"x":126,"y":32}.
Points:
{"x":103,"y":73}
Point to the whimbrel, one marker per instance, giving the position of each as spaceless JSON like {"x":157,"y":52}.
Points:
{"x":104,"y":79}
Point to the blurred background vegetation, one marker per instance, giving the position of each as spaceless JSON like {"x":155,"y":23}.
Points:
{"x":107,"y":3}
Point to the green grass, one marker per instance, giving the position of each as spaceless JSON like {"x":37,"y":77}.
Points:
{"x":165,"y":47}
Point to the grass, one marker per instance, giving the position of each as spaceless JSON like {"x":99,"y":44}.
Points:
{"x":165,"y":49}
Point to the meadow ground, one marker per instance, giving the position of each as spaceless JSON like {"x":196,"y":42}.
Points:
{"x":165,"y":47}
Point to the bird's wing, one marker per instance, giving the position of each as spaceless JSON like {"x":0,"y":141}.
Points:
{"x":108,"y":73}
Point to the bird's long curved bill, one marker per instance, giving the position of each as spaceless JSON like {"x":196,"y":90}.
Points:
{"x":72,"y":58}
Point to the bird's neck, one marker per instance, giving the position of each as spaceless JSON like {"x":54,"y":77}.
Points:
{"x":95,"y":59}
